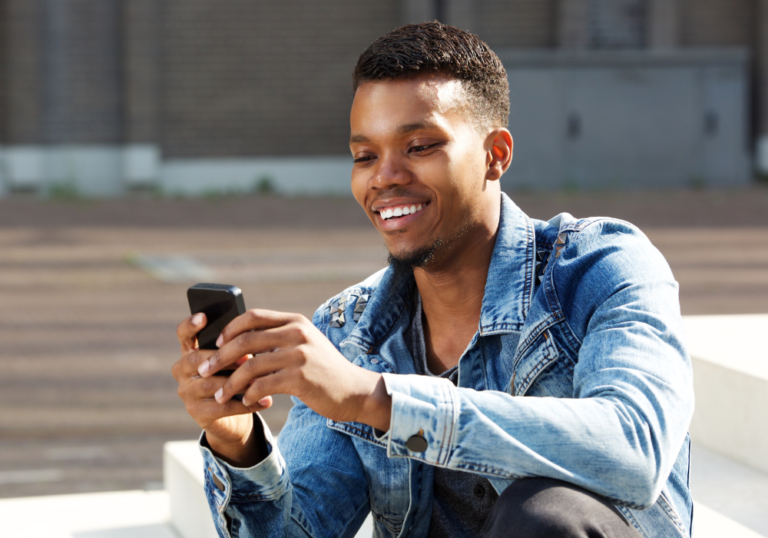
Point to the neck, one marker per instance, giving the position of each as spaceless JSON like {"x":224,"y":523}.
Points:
{"x":452,"y":298}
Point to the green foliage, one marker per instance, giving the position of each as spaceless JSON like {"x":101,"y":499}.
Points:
{"x":264,"y":185}
{"x":63,"y":191}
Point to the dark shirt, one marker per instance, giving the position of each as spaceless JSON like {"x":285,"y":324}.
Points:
{"x":462,"y":500}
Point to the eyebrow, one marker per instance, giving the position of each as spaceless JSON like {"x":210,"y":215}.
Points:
{"x":401,"y":131}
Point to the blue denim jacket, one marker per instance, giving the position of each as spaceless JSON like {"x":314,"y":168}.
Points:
{"x":578,"y":372}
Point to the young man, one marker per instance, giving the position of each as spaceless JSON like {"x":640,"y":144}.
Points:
{"x":552,"y":392}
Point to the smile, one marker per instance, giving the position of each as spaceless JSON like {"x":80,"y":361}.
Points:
{"x":399,"y":211}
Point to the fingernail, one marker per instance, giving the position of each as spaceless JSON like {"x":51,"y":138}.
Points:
{"x":197,"y":319}
{"x":219,"y":340}
{"x":219,"y":394}
{"x":264,"y":402}
{"x":203,"y":368}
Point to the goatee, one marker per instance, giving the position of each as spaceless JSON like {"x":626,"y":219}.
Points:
{"x":418,"y":258}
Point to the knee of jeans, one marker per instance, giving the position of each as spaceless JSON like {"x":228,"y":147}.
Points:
{"x":534,"y":508}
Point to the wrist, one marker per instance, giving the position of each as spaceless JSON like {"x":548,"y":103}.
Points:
{"x":247,"y":451}
{"x":376,"y":407}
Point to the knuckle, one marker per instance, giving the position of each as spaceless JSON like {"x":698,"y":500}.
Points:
{"x":242,"y":339}
{"x":302,"y":353}
{"x":206,"y":385}
{"x":248,"y":366}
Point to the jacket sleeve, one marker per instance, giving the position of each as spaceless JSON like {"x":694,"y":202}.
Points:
{"x":622,"y":428}
{"x":311,"y":484}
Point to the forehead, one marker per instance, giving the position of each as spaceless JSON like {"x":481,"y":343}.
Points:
{"x":384,"y":104}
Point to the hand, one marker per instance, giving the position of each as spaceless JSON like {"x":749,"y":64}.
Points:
{"x":228,"y":426}
{"x":289,"y":355}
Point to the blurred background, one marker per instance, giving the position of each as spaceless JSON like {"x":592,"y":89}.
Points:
{"x":146,"y":145}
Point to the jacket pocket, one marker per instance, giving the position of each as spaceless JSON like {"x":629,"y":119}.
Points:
{"x":531,"y":362}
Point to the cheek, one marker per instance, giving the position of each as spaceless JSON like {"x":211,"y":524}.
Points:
{"x":358,"y":188}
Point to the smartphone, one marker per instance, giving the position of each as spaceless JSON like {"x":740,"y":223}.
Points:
{"x":221,"y":303}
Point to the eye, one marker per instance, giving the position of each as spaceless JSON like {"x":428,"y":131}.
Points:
{"x":363,"y":159}
{"x":421,"y":148}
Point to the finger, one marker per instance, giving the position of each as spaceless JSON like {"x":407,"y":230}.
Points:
{"x":250,"y":343}
{"x":261,"y":390}
{"x":187,"y":330}
{"x":209,"y":410}
{"x":255,"y":320}
{"x":188,"y":364}
{"x":200,"y":388}
{"x":253,"y":370}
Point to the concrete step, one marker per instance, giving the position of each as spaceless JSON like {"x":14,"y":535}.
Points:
{"x":731,"y":501}
{"x":730,"y":375}
{"x":122,"y":514}
{"x":729,"y":477}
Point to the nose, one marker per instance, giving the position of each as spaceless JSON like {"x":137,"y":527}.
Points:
{"x":392,"y":171}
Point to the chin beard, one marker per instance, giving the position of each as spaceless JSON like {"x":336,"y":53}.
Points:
{"x":418,"y":258}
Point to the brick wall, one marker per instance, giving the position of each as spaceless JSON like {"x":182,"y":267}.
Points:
{"x":20,"y":72}
{"x":243,"y":78}
{"x":224,"y":78}
{"x":141,"y":63}
{"x":82,"y":91}
{"x":516,"y":23}
{"x":710,"y":23}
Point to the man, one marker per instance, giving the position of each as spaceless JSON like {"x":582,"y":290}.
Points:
{"x":551,"y":394}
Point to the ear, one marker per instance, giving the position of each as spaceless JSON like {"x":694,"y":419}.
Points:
{"x":499,"y":146}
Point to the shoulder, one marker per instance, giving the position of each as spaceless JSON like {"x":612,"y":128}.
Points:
{"x":603,"y":244}
{"x":594,"y":260}
{"x":343,"y":310}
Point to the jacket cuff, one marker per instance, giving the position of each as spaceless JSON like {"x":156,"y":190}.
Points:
{"x":267,"y":480}
{"x":424,"y":415}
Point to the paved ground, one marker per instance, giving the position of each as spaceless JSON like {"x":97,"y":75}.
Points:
{"x":87,"y":338}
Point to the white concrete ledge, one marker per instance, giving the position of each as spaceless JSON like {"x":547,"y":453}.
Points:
{"x":730,"y":369}
{"x":120,"y":514}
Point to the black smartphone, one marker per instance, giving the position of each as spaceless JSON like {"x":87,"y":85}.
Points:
{"x":221,"y":303}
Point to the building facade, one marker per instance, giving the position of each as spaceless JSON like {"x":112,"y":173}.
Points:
{"x":195,"y":96}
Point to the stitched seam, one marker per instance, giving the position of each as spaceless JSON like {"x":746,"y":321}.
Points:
{"x":537,"y":330}
{"x":530,"y":257}
{"x":667,"y":506}
{"x":632,"y":521}
{"x":347,"y":428}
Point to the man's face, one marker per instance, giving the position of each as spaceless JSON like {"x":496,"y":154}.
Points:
{"x":419,"y":167}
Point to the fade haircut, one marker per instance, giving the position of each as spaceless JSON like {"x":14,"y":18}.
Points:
{"x":435,"y":48}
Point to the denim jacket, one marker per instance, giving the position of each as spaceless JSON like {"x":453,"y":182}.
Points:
{"x":577,"y":372}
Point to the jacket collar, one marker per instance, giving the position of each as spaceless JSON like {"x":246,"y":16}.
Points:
{"x":508,"y":289}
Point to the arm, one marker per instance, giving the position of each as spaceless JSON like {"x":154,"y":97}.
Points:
{"x":312,"y":485}
{"x":620,"y":431}
{"x":315,"y":487}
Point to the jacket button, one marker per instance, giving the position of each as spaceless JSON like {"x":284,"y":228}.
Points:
{"x":218,"y":483}
{"x":416,"y":443}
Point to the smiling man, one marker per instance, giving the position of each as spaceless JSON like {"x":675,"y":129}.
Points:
{"x":504,"y":376}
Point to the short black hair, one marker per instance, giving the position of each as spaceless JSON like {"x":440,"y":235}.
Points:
{"x":435,"y":48}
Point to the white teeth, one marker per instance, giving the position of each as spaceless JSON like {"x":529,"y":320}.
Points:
{"x":400,"y":211}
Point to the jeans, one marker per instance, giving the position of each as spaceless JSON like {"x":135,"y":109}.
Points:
{"x":549,"y":508}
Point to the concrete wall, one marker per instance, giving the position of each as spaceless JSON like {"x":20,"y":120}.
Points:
{"x":628,"y":119}
{"x":101,"y":96}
